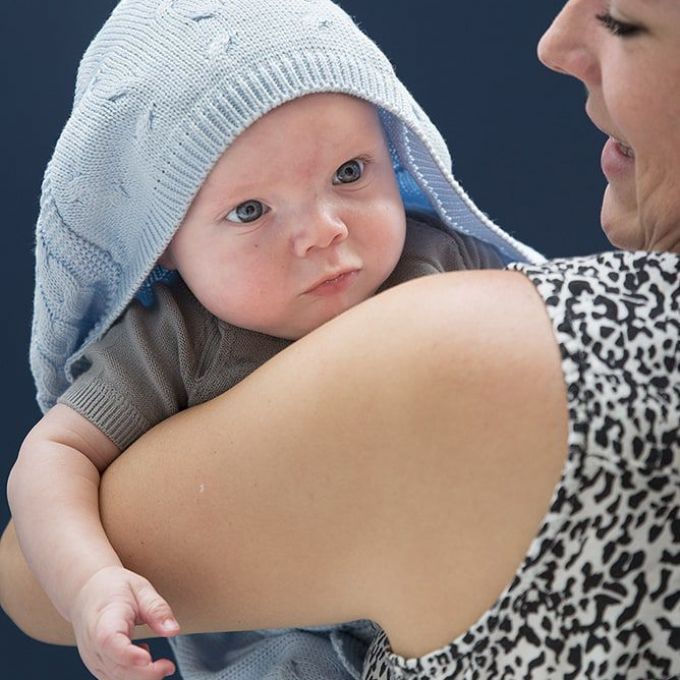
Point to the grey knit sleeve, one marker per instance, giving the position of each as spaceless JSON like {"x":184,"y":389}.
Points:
{"x":139,"y":371}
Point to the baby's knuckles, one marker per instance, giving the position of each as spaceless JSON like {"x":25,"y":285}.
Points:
{"x":103,"y":608}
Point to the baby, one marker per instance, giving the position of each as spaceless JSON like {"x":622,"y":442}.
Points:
{"x":233,"y":175}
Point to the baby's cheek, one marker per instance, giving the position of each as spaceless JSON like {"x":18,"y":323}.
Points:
{"x":250,"y":303}
{"x":393,"y":233}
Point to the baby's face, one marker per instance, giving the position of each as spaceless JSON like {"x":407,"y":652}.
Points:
{"x":299,"y":220}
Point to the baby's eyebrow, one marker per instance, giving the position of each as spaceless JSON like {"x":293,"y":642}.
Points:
{"x":224,"y":192}
{"x":216,"y":200}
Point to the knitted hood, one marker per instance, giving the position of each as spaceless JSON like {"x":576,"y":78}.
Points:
{"x":162,"y":91}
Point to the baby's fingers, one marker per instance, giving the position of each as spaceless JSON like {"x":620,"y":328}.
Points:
{"x":155,"y":611}
{"x":131,"y":662}
{"x":153,"y":671}
{"x":119,"y":649}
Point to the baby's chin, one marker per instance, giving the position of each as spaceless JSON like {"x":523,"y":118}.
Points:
{"x":296,"y":329}
{"x":308,"y":312}
{"x":299,"y":330}
{"x":290,"y":330}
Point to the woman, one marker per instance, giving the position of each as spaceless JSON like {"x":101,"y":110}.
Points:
{"x":514,"y":489}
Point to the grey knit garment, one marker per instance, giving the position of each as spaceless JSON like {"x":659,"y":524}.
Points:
{"x":161,"y":92}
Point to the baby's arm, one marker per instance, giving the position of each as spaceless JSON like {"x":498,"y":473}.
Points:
{"x":53,"y":491}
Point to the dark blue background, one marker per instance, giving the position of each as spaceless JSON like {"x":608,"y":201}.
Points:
{"x":521,"y":145}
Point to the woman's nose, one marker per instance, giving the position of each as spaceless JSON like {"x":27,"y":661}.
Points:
{"x":570,"y":44}
{"x":318,"y":231}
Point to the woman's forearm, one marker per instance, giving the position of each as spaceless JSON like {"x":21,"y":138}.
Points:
{"x":390,"y":465}
{"x":198,"y":505}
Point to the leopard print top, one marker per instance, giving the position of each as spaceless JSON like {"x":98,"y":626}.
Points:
{"x":598,"y":594}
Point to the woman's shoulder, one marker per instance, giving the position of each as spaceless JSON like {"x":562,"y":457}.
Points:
{"x":567,"y":370}
{"x":614,"y":309}
{"x":616,"y":320}
{"x":614,"y":274}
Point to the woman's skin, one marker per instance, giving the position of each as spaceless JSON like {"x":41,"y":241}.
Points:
{"x":396,"y":463}
{"x":627,"y":54}
{"x":374,"y":466}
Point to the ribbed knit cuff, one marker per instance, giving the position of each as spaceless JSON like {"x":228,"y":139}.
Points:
{"x":107,"y":410}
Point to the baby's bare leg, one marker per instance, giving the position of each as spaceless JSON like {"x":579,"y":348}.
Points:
{"x":391,"y":465}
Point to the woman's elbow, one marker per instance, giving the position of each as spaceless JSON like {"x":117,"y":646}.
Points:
{"x":10,"y":589}
{"x":22,"y":599}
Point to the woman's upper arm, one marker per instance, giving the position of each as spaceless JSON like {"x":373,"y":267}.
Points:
{"x":394,"y":464}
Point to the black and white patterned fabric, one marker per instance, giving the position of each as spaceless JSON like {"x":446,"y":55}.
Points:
{"x":598,"y":594}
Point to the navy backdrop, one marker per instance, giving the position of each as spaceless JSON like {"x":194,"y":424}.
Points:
{"x":520,"y":141}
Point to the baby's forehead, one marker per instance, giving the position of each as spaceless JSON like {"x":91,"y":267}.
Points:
{"x":305,"y":136}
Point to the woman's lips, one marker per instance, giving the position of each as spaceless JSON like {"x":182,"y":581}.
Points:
{"x":617,"y":159}
{"x":334,"y":284}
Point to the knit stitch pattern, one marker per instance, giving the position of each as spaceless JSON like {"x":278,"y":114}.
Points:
{"x":161,"y":92}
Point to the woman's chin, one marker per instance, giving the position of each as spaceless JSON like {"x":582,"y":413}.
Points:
{"x":620,"y":221}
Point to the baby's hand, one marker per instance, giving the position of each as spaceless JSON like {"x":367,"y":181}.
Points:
{"x":105,"y":613}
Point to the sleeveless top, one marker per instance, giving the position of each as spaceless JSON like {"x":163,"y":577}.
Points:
{"x":598,"y":593}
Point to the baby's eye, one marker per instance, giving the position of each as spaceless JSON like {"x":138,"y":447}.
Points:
{"x":349,"y":172}
{"x":247,"y":212}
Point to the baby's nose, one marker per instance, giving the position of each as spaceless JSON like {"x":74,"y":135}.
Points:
{"x":320,"y":231}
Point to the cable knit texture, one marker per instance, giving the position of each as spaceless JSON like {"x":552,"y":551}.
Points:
{"x":161,"y":92}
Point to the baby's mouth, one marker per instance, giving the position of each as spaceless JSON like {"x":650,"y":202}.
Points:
{"x":333,"y":280}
